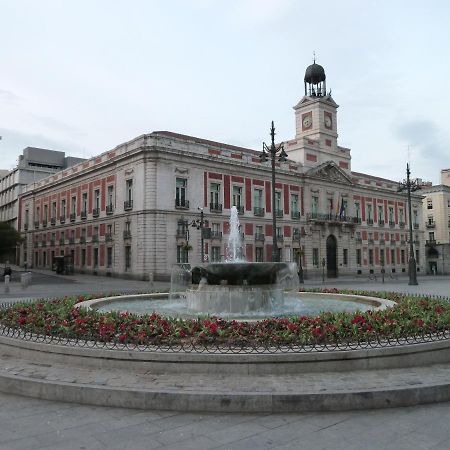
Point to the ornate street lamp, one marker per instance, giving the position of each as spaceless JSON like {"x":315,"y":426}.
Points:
{"x":271,"y":152}
{"x":201,"y":224}
{"x":410,"y":186}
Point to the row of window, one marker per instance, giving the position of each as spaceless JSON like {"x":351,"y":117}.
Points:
{"x":83,"y":234}
{"x":44,"y":259}
{"x":72,"y":207}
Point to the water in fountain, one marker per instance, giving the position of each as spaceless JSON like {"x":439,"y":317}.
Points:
{"x":234,"y":251}
{"x":237,"y":286}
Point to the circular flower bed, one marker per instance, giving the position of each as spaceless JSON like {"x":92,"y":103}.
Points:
{"x":412,"y":316}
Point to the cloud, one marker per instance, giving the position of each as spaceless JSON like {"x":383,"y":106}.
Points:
{"x":8,"y":97}
{"x":426,"y":137}
{"x":57,"y":125}
{"x":14,"y":141}
{"x":262,"y":12}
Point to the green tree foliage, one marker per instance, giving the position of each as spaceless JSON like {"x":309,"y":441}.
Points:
{"x":9,"y":237}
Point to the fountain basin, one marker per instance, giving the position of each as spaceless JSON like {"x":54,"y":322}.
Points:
{"x":295,"y":304}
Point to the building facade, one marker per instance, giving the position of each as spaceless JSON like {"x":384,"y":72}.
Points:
{"x":34,"y":164}
{"x":128,"y":211}
{"x":436,"y":213}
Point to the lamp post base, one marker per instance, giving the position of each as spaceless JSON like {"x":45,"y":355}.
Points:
{"x":412,"y":272}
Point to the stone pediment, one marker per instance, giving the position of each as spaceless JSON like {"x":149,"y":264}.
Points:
{"x":331,"y":172}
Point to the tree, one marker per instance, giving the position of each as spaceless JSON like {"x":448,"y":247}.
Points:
{"x":9,"y":238}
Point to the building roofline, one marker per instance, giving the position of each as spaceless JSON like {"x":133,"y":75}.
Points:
{"x":198,"y":140}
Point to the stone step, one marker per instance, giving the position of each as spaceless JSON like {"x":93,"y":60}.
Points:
{"x":327,"y":391}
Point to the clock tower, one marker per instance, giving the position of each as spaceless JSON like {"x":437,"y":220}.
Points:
{"x":315,"y":113}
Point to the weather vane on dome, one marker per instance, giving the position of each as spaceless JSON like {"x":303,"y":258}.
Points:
{"x":314,"y":57}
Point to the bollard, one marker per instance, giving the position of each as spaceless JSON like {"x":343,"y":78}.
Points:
{"x":25,"y":280}
{"x":151,"y":279}
{"x":7,"y":284}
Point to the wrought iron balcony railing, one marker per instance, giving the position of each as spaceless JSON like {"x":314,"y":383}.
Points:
{"x":295,"y":215}
{"x":83,"y":215}
{"x":109,"y":209}
{"x":128,"y":205}
{"x":95,"y":212}
{"x":215,"y":207}
{"x":258,"y":211}
{"x":181,"y":203}
{"x":260,"y":237}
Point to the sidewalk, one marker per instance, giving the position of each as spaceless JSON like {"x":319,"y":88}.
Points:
{"x":46,"y":283}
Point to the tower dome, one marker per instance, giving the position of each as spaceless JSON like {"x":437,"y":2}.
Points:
{"x":314,"y":74}
{"x":315,"y":80}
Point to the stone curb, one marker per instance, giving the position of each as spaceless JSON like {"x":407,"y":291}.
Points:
{"x":197,"y":401}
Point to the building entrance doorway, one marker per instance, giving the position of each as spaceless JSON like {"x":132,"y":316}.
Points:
{"x":331,"y":257}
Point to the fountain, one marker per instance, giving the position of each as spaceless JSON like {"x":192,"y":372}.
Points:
{"x":237,"y":286}
{"x":237,"y":289}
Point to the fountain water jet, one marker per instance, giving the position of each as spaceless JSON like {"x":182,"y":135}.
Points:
{"x":237,"y":286}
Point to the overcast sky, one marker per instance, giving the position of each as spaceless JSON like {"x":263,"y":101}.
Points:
{"x":83,"y":76}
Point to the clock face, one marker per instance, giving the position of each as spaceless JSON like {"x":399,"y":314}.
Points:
{"x":307,"y":121}
{"x":328,"y":121}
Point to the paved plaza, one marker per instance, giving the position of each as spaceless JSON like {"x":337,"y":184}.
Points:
{"x":27,"y":423}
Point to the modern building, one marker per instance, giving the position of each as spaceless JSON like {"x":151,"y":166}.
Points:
{"x":436,"y":213}
{"x":128,"y":211}
{"x":33,"y":165}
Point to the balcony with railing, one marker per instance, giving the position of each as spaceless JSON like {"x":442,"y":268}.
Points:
{"x":181,"y":203}
{"x":279,"y":213}
{"x":83,"y":240}
{"x":52,"y":242}
{"x":258,"y":211}
{"x":358,"y":240}
{"x":73,"y":217}
{"x":402,"y":242}
{"x":182,"y":234}
{"x":52,"y":221}
{"x":62,"y":219}
{"x":95,"y":238}
{"x":36,"y":224}
{"x":431,"y":224}
{"x":216,"y":235}
{"x":401,"y":224}
{"x":25,"y":226}
{"x":83,"y":215}
{"x":127,"y":234}
{"x":296,"y":237}
{"x":391,"y":223}
{"x":95,"y":212}
{"x":381,"y":241}
{"x":44,"y":243}
{"x":295,"y":215}
{"x":393,"y":241}
{"x":430,"y":242}
{"x":371,"y":241}
{"x":128,"y":205}
{"x":369,"y":221}
{"x":381,"y":223}
{"x":62,"y":241}
{"x":215,"y":207}
{"x":416,"y":226}
{"x":280,"y":238}
{"x":71,"y":240}
{"x":108,"y":237}
{"x":333,"y":218}
{"x":260,"y":237}
{"x":109,"y":209}
{"x":240,"y":209}
{"x":44,"y":223}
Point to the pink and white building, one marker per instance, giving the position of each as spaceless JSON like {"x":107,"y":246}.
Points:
{"x":127,"y":212}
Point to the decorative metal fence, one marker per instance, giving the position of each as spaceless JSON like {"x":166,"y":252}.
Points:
{"x":244,"y":347}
